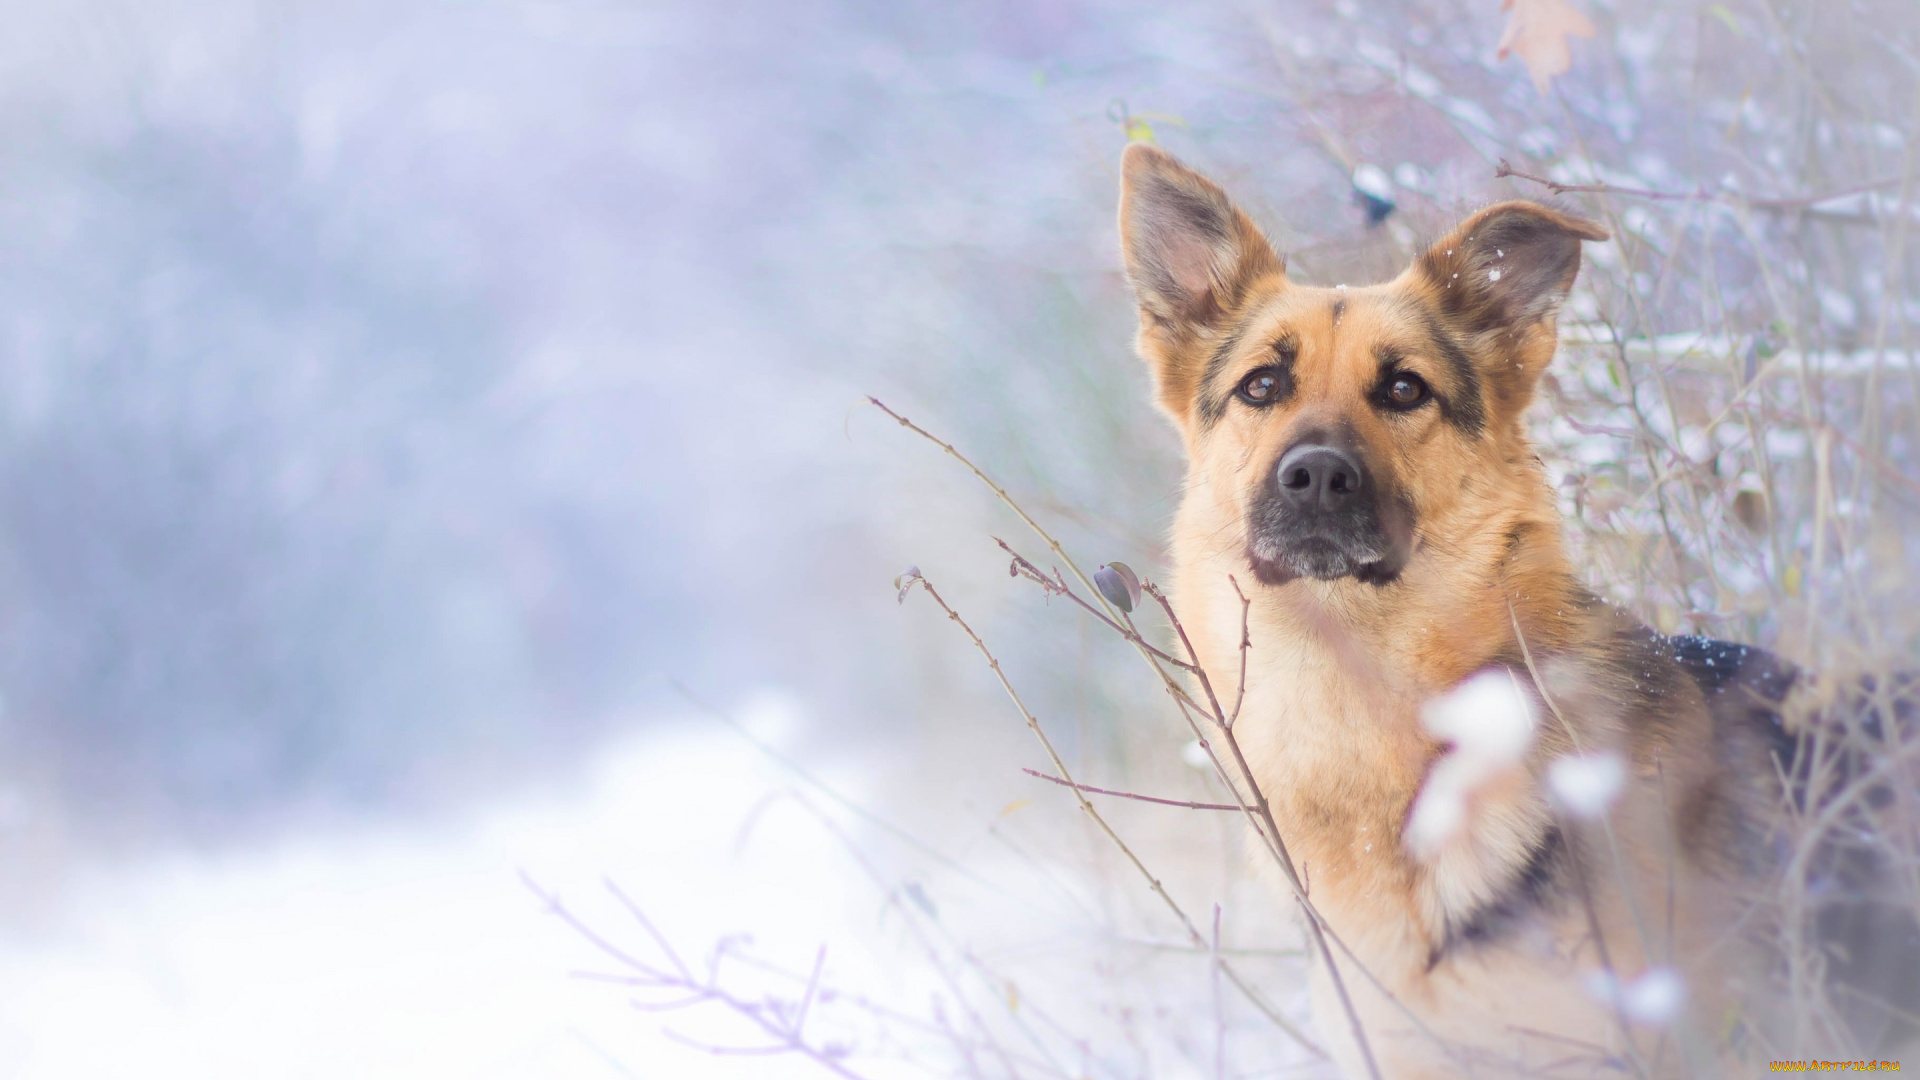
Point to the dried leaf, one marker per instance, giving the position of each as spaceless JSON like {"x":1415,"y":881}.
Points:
{"x":1750,"y":510}
{"x":1537,"y":31}
{"x":905,"y":582}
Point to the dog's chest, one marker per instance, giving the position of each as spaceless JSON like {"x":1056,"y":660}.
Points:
{"x":1340,"y":758}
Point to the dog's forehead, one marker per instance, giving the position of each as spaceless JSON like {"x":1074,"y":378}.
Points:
{"x":1326,"y":324}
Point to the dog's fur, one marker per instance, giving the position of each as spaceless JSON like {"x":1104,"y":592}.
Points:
{"x":1440,"y":555}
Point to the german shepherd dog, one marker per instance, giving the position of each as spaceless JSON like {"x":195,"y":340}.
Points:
{"x":1357,"y":463}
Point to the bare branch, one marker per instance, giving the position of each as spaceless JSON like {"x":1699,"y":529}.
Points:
{"x":1130,"y":795}
{"x":1316,"y":924}
{"x":1796,"y":202}
{"x":691,"y":991}
{"x":1246,"y":643}
{"x":1057,"y":586}
{"x":1153,"y":882}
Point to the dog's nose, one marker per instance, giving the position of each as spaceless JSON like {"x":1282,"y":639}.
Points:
{"x":1314,"y":475}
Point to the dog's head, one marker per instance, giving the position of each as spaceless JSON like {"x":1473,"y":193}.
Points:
{"x":1327,"y":424}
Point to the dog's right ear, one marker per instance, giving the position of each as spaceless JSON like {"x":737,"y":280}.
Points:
{"x":1192,"y":257}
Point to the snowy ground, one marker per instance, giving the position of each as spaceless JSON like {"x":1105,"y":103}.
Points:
{"x":417,"y":951}
{"x":411,"y":951}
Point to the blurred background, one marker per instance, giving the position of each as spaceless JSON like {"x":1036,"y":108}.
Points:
{"x":434,"y":452}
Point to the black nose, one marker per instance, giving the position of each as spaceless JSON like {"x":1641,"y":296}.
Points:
{"x":1319,"y":476}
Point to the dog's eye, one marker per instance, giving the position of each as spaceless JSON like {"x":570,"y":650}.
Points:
{"x":1406,"y":390}
{"x":1262,"y":387}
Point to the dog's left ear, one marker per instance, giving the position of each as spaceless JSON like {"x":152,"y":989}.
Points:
{"x":1499,"y":280}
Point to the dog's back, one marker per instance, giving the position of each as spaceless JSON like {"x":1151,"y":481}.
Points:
{"x":1837,"y":775}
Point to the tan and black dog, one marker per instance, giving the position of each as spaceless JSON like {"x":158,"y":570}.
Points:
{"x":1357,"y":460}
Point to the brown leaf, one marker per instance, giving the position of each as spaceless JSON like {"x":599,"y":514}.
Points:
{"x":1750,"y":510}
{"x":1537,"y":30}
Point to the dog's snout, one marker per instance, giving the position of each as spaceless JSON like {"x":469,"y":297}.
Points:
{"x":1325,"y":514}
{"x":1320,"y":476}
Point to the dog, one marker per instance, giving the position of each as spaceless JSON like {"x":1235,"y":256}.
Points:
{"x":1358,"y":466}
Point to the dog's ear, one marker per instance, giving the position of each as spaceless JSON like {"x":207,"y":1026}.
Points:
{"x":1499,"y":280}
{"x":1192,"y":257}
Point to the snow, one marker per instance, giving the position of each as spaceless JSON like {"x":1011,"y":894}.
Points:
{"x":412,"y":951}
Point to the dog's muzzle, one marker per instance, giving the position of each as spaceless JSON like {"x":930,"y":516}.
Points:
{"x":1321,"y":515}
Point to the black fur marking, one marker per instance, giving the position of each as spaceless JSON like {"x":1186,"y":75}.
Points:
{"x":1213,"y":403}
{"x":1527,"y":893}
{"x":1717,"y":665}
{"x":1384,"y":572}
{"x":1741,"y":684}
{"x":1462,"y":408}
{"x":1339,"y":309}
{"x":1389,"y":359}
{"x":1213,"y":398}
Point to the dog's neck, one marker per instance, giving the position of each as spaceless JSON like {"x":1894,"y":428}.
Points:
{"x":1338,"y":670}
{"x":1487,"y":582}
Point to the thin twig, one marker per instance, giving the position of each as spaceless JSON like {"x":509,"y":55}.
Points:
{"x":1219,"y":1006}
{"x":1505,"y":170}
{"x":787,"y":1034}
{"x":1056,"y":585}
{"x":1130,"y":795}
{"x":1006,"y":500}
{"x":1616,"y":997}
{"x":920,"y":931}
{"x":1315,"y":922}
{"x":1246,"y":643}
{"x":1578,"y":864}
